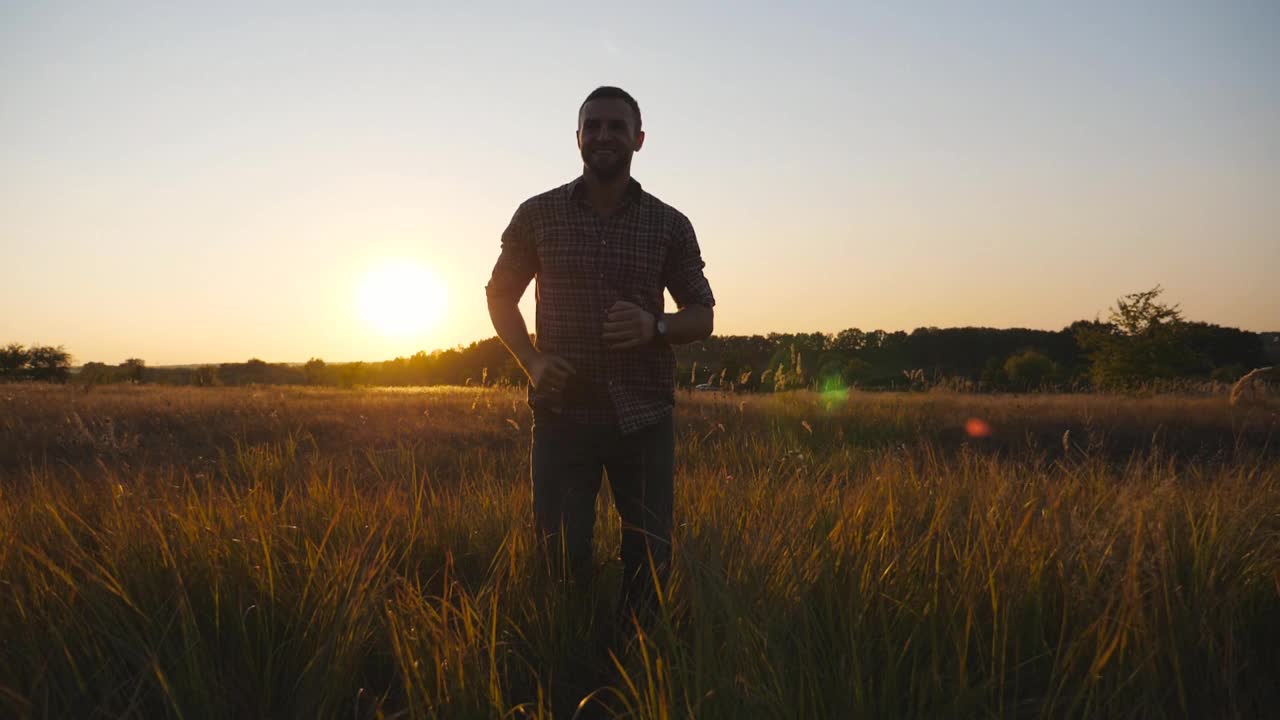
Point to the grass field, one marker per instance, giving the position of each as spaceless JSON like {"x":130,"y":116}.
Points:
{"x":268,"y":552}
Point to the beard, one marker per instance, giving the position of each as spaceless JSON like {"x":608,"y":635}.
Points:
{"x":607,"y":168}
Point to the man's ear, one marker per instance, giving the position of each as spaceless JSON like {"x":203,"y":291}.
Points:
{"x":639,"y":140}
{"x":577,"y":135}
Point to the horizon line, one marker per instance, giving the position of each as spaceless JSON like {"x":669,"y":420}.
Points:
{"x":463,"y":346}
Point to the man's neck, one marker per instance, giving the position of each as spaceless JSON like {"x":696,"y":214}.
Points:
{"x":605,"y":196}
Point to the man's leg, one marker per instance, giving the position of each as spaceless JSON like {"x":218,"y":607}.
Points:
{"x":641,"y":471}
{"x":566,"y":478}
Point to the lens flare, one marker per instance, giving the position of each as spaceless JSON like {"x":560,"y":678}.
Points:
{"x":977,"y":428}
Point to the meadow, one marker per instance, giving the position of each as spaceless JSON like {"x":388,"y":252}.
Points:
{"x":270,"y":552}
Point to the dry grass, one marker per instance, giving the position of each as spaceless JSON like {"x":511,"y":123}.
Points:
{"x":320,"y":553}
{"x":1252,"y":385}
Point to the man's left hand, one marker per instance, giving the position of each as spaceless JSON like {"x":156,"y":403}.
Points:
{"x":628,"y":326}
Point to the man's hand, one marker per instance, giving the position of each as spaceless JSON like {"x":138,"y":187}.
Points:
{"x":548,"y":372}
{"x":628,"y":326}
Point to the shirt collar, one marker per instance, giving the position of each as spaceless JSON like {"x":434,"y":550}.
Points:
{"x":575,"y":188}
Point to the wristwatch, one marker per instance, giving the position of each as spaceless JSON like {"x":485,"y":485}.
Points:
{"x":660,"y":327}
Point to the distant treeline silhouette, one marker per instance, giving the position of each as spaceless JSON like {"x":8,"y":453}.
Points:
{"x":43,"y":362}
{"x":1142,"y":341}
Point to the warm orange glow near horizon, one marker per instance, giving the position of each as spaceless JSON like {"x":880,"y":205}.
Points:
{"x":401,"y":299}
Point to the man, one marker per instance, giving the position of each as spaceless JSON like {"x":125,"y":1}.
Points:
{"x":602,"y":375}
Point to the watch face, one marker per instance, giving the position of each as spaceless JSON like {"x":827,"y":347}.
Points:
{"x":662,"y":328}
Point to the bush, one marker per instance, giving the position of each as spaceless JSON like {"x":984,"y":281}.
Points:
{"x":1029,"y":369}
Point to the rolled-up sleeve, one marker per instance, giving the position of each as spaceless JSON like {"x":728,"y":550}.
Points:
{"x":682,"y":273}
{"x":518,"y":261}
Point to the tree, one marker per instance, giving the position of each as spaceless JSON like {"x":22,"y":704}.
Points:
{"x":255,"y":370}
{"x":1144,"y":340}
{"x":351,"y":374}
{"x":205,"y":376}
{"x":93,"y":373}
{"x":1138,"y":313}
{"x":993,"y":375}
{"x":134,"y":369}
{"x":855,"y":371}
{"x":49,"y":364}
{"x":1029,"y":369}
{"x":314,"y":371}
{"x":13,"y":361}
{"x":1228,"y":349}
{"x":849,"y":340}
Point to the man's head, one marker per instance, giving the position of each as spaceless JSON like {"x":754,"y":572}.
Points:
{"x":609,"y":131}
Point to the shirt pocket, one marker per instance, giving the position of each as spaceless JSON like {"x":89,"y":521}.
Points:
{"x":639,"y":271}
{"x":565,"y":256}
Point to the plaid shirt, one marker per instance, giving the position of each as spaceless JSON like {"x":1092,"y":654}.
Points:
{"x":585,"y":263}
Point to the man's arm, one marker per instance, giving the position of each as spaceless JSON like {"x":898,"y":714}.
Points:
{"x":516,"y":266}
{"x":511,"y":329}
{"x":545,"y":371}
{"x":682,"y":275}
{"x":690,"y":324}
{"x":630,"y":326}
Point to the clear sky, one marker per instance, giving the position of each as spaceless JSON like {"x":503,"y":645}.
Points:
{"x":208,"y":182}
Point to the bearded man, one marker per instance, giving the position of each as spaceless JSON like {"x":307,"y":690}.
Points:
{"x":602,"y":371}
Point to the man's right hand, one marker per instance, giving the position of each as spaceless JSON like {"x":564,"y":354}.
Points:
{"x":548,"y":372}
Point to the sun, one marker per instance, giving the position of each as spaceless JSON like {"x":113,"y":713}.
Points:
{"x":400,"y":299}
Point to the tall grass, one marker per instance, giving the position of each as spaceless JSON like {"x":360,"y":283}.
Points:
{"x":263,"y":553}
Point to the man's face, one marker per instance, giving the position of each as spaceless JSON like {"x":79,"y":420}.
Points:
{"x":607,"y":137}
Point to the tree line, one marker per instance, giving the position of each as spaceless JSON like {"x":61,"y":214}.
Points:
{"x":1143,"y":340}
{"x":43,"y":362}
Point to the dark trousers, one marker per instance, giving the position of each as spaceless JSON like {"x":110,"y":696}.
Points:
{"x":567,"y":462}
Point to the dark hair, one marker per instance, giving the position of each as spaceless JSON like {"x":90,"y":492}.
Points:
{"x":609,"y":92}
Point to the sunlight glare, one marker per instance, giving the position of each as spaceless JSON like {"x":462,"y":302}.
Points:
{"x":401,"y":299}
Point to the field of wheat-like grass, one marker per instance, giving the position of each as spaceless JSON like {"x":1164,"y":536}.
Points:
{"x":271,"y":552}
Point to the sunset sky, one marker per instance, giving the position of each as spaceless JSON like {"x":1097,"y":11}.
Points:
{"x":210,"y":182}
